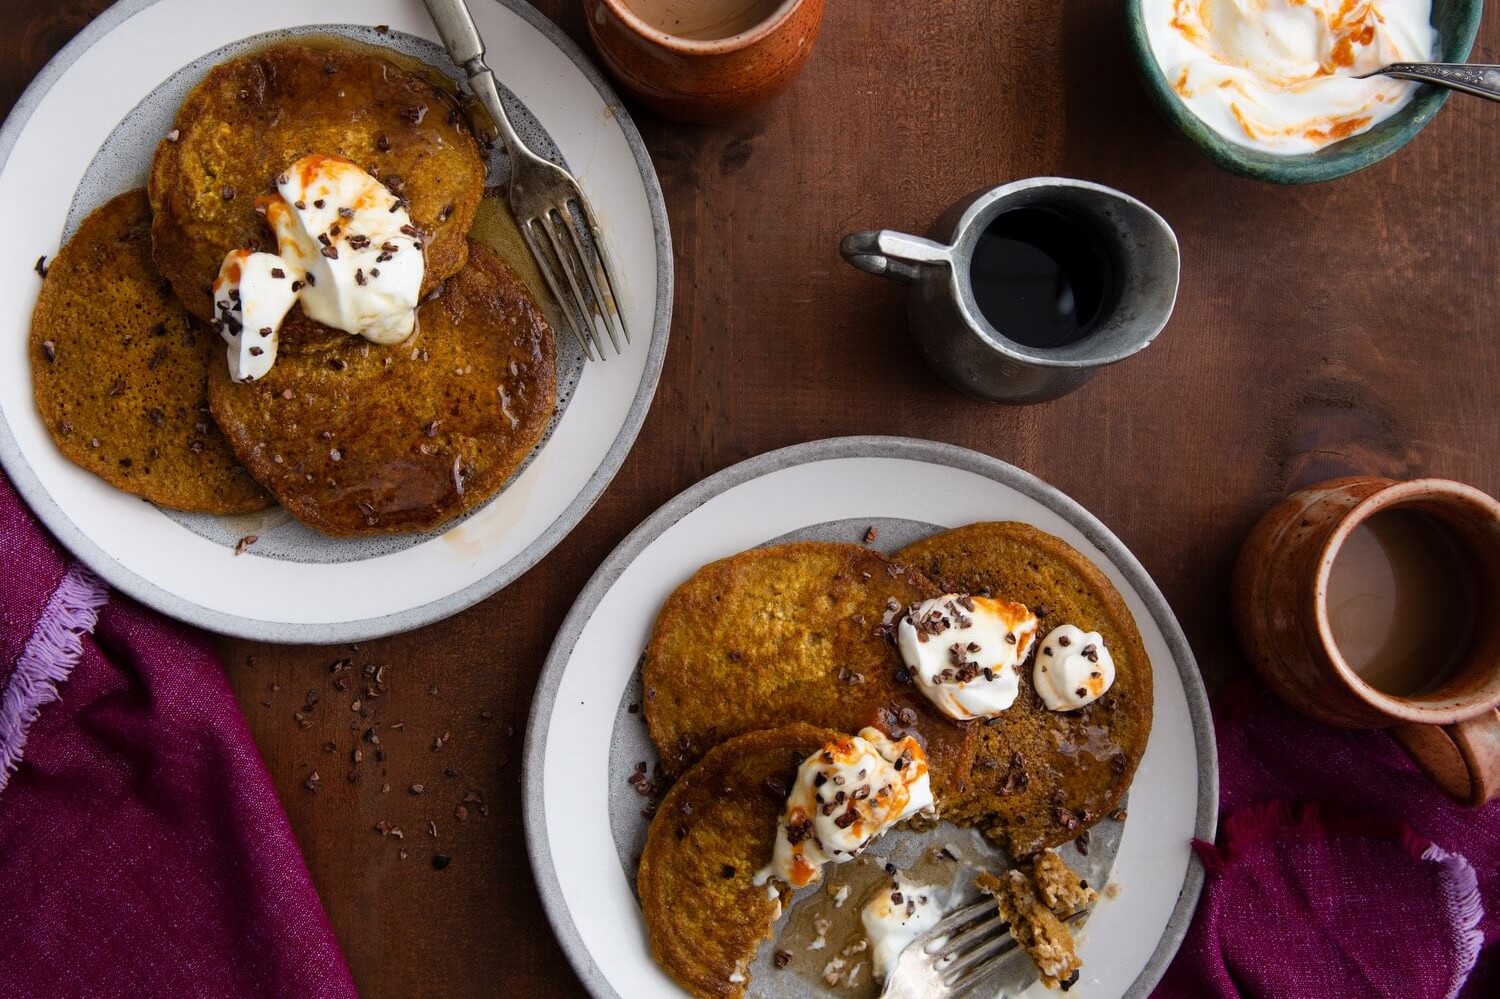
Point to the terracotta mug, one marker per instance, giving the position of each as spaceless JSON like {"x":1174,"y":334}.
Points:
{"x":1281,"y":615}
{"x":703,"y":79}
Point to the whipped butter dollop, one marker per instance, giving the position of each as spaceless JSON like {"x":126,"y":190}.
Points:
{"x":346,"y":250}
{"x":963,"y":652}
{"x":846,"y":795}
{"x":1073,"y":668}
{"x":1279,"y":75}
{"x":896,"y":915}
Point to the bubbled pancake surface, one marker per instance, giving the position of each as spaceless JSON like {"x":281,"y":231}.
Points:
{"x":120,"y":373}
{"x":356,"y":438}
{"x":789,"y":633}
{"x":713,"y":831}
{"x":254,"y":116}
{"x":1040,"y":776}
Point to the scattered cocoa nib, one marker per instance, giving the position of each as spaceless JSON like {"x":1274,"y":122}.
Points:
{"x":174,"y":135}
{"x":415,"y":113}
{"x":440,"y":861}
{"x":1119,"y":763}
{"x":245,"y":542}
{"x":460,"y":813}
{"x":1118,"y":814}
{"x":41,"y":265}
{"x":776,"y":787}
{"x":783,"y":958}
{"x":416,"y":789}
{"x":871,"y":534}
{"x":382,"y":29}
{"x":50,"y":350}
{"x":1082,"y":843}
{"x":1065,"y":818}
{"x":313,"y":782}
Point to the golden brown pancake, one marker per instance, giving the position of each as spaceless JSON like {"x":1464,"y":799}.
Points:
{"x":356,"y":438}
{"x":1041,"y":777}
{"x":712,"y":832}
{"x":253,"y":116}
{"x":784,"y":634}
{"x":120,"y":373}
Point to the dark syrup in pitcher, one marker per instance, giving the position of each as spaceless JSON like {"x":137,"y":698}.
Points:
{"x":1042,"y":277}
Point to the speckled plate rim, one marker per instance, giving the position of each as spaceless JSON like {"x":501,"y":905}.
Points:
{"x":538,"y":840}
{"x":1337,"y":160}
{"x":47,"y":509}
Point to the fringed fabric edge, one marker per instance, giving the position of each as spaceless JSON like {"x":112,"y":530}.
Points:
{"x":48,"y":658}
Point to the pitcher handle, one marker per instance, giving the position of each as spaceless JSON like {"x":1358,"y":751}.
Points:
{"x":1463,"y":758}
{"x":893,"y":254}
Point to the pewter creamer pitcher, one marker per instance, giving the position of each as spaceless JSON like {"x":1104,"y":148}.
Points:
{"x":969,"y":351}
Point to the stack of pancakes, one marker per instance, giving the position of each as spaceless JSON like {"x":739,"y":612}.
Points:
{"x":757,"y":660}
{"x":350,"y":436}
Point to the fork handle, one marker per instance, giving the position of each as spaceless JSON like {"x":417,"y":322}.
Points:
{"x":456,"y":27}
{"x":1469,"y":78}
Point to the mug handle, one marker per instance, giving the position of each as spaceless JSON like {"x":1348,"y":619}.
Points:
{"x":893,"y":254}
{"x":1462,"y":758}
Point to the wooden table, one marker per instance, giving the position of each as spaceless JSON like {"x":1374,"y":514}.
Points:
{"x":1347,"y":327}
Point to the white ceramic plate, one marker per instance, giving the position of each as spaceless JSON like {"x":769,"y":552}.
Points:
{"x":84,"y":131}
{"x":574,"y":815}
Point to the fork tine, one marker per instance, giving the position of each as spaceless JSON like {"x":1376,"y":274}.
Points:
{"x":997,"y":944}
{"x":587,"y":308}
{"x":602,"y":273}
{"x":979,"y":934}
{"x":563,"y":302}
{"x":960,"y":917}
{"x":594,"y":273}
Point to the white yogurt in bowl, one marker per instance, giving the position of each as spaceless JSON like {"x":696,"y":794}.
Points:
{"x":1279,"y":76}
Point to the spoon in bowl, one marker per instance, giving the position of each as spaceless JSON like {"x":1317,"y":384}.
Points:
{"x":1469,"y":78}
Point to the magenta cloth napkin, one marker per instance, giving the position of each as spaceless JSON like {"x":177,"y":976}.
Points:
{"x":1339,"y":870}
{"x":142,"y":848}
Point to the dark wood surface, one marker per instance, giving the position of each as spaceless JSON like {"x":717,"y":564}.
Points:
{"x":1347,"y":327}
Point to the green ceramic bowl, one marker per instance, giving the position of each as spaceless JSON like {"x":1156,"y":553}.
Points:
{"x":1457,"y":22}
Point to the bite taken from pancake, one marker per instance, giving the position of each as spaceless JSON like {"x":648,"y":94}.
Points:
{"x":1063,"y":754}
{"x":794,"y":632}
{"x":357,"y":438}
{"x":760,"y":815}
{"x":252,"y":116}
{"x":120,"y":371}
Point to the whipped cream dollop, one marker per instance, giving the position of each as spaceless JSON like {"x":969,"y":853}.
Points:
{"x":895,"y":915}
{"x":1073,"y":668}
{"x":846,"y":795}
{"x":1279,"y":75}
{"x":963,"y":652}
{"x":254,"y":292}
{"x":346,"y":250}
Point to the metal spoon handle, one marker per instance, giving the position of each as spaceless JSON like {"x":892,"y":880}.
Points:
{"x":1470,"y":78}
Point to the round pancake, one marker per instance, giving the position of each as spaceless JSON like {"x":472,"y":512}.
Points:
{"x":712,"y":832}
{"x":355,"y":438}
{"x":1041,"y":777}
{"x":253,"y":116}
{"x":120,"y":374}
{"x":785,"y":634}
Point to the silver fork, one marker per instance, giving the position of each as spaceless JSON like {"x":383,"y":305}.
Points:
{"x":547,"y":202}
{"x":962,"y":951}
